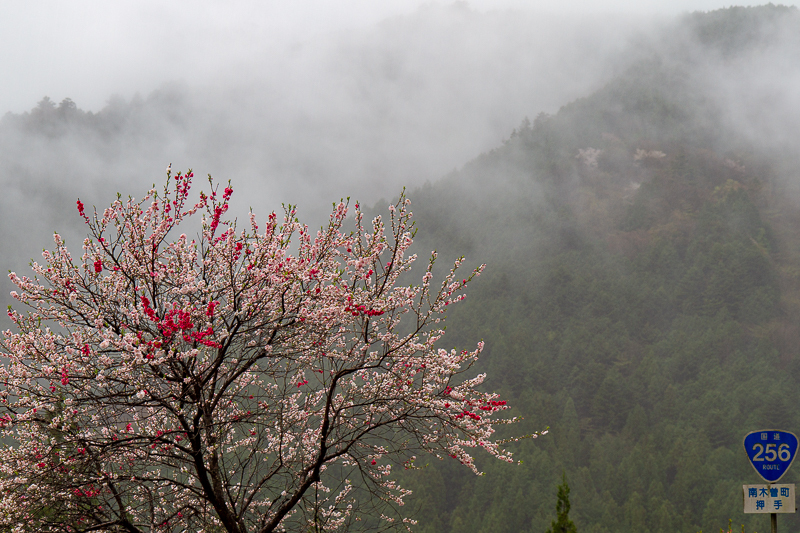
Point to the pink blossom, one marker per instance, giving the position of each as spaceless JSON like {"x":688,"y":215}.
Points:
{"x":192,"y":354}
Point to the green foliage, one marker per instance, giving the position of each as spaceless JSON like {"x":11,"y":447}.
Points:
{"x":562,"y":523}
{"x":645,"y":309}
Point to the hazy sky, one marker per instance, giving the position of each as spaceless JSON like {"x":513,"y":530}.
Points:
{"x":90,"y":49}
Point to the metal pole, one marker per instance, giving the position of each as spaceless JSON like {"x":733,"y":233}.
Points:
{"x":773,"y":518}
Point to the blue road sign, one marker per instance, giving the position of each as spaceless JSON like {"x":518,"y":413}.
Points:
{"x":771,"y":452}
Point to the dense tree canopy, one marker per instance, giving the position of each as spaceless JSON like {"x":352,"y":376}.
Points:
{"x":641,"y":299}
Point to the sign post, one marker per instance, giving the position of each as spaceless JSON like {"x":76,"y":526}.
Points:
{"x":771,"y":452}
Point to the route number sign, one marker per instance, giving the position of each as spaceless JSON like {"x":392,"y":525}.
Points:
{"x":771,"y":452}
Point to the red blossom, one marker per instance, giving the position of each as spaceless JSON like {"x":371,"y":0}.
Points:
{"x":207,"y":331}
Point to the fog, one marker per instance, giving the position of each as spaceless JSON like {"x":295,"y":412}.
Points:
{"x":306,"y":116}
{"x":310,"y":103}
{"x":88,"y":50}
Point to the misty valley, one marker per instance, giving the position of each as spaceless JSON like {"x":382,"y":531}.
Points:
{"x":641,"y":296}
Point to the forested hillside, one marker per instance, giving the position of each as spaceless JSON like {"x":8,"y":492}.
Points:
{"x":642,"y":296}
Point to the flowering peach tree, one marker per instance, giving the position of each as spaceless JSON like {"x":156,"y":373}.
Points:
{"x":241,"y":380}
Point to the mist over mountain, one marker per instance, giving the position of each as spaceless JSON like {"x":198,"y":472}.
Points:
{"x":639,"y":227}
{"x":359,"y":113}
{"x":641,"y":287}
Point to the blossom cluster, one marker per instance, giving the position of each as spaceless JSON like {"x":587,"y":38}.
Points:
{"x":259,"y":379}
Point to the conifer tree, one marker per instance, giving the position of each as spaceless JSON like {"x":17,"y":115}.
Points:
{"x":562,"y":523}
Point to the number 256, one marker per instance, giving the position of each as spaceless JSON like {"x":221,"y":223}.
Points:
{"x":770,"y":454}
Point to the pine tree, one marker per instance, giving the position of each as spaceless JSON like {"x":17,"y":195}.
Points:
{"x":562,"y":523}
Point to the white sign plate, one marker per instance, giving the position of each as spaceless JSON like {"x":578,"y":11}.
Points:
{"x":769,"y":498}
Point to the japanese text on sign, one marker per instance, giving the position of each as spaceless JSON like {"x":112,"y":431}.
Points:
{"x":769,"y":498}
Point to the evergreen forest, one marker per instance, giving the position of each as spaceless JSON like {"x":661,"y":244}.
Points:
{"x":642,"y":299}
